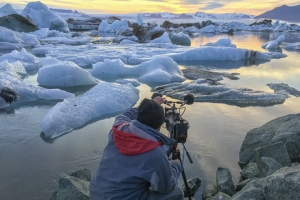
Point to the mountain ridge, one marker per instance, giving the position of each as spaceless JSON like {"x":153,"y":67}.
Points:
{"x":284,"y":12}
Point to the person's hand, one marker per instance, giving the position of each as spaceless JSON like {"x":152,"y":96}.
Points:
{"x":159,"y":100}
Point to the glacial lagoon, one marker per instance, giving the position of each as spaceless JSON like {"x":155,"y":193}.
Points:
{"x":30,"y":164}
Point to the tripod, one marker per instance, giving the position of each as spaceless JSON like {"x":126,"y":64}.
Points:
{"x":176,"y":155}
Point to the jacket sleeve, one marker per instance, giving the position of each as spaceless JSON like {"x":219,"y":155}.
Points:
{"x":165,"y":175}
{"x":127,"y":116}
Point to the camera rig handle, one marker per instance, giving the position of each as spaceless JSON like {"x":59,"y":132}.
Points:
{"x":188,"y":99}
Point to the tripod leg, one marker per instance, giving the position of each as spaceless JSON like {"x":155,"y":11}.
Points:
{"x":184,"y":180}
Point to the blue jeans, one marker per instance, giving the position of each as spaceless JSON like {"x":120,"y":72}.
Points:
{"x":175,"y":194}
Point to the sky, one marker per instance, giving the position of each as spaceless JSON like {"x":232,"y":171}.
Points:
{"x":254,"y":7}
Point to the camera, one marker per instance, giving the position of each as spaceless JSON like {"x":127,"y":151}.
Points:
{"x":175,"y":124}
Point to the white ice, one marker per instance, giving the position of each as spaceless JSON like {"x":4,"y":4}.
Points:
{"x":133,"y":82}
{"x":29,"y":61}
{"x":285,"y":89}
{"x":10,"y":77}
{"x":7,"y":9}
{"x":162,"y":39}
{"x":63,"y":74}
{"x":139,"y":20}
{"x":115,"y":27}
{"x":180,"y":39}
{"x":222,"y":42}
{"x":104,"y":98}
{"x":43,"y":17}
{"x":274,"y":43}
{"x":292,"y":46}
{"x":157,"y":70}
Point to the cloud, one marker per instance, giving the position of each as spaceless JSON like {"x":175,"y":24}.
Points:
{"x":211,"y":6}
{"x":158,"y":0}
{"x":191,"y":2}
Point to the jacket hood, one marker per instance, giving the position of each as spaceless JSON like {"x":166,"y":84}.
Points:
{"x":130,"y":144}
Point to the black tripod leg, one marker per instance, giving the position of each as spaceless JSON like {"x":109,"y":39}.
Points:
{"x":185,"y":181}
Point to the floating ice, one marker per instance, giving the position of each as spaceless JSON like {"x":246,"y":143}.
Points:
{"x":196,"y":73}
{"x":208,"y":29}
{"x":292,"y":46}
{"x":63,"y":74}
{"x":67,"y":41}
{"x":211,"y":91}
{"x":104,"y":98}
{"x":158,"y":70}
{"x":45,"y":33}
{"x":9,"y":36}
{"x":29,"y":61}
{"x":7,"y":10}
{"x":139,"y":20}
{"x":162,"y":39}
{"x":223,"y":42}
{"x":9,"y":77}
{"x":40,"y":14}
{"x":133,"y":82}
{"x":180,"y":39}
{"x":274,"y":43}
{"x":219,"y":53}
{"x":285,"y":89}
{"x":115,"y":27}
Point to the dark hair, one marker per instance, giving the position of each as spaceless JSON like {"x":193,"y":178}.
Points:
{"x":151,"y":113}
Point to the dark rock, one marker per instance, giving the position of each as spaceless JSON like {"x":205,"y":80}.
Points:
{"x":167,"y":25}
{"x":111,"y":19}
{"x":219,"y":196}
{"x":242,"y":184}
{"x":18,"y":23}
{"x":193,"y":185}
{"x":230,"y":31}
{"x":269,"y":166}
{"x":267,"y":22}
{"x":284,"y":184}
{"x":250,"y":171}
{"x":71,"y":188}
{"x":83,"y":174}
{"x":225,"y":182}
{"x":209,"y":191}
{"x":8,"y":95}
{"x":276,"y":151}
{"x":206,"y":23}
{"x":284,"y":129}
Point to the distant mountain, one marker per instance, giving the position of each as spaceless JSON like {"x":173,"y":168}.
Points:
{"x":286,"y":13}
{"x":223,"y":16}
{"x":166,"y":15}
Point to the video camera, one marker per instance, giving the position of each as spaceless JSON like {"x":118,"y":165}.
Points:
{"x":175,"y":124}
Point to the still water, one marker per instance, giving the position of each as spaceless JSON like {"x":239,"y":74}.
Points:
{"x":30,"y":166}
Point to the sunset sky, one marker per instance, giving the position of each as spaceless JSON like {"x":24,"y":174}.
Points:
{"x":254,"y":7}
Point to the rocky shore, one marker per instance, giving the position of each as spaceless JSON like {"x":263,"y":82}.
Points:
{"x":269,"y":159}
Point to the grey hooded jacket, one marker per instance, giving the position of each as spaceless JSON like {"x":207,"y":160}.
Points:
{"x":130,"y":176}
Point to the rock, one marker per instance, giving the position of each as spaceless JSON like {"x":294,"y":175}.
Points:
{"x":168,"y":25}
{"x":250,"y":171}
{"x":242,"y":184}
{"x":284,"y":129}
{"x":252,"y":190}
{"x":180,"y":39}
{"x":284,"y":184}
{"x":193,"y":185}
{"x":209,"y":191}
{"x":83,"y":174}
{"x":268,"y":166}
{"x":18,"y":23}
{"x":8,"y":95}
{"x":220,"y":196}
{"x":224,"y":181}
{"x":74,"y":186}
{"x":276,"y":151}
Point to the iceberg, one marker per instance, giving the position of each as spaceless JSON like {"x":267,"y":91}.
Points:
{"x":285,"y":89}
{"x":223,"y":42}
{"x":104,"y":98}
{"x":10,"y":77}
{"x":6,"y":10}
{"x":274,"y":43}
{"x":63,"y":74}
{"x":133,"y":82}
{"x":219,"y":53}
{"x":162,"y":39}
{"x":180,"y":39}
{"x":29,"y":61}
{"x":43,"y":17}
{"x":157,"y":70}
{"x":116,"y":27}
{"x":211,"y":91}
